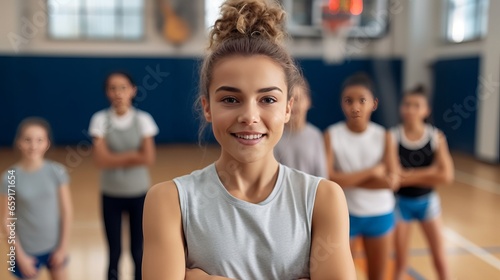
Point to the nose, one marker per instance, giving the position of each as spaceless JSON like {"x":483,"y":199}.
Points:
{"x":32,"y":145}
{"x":249,"y":113}
{"x":355,"y":108}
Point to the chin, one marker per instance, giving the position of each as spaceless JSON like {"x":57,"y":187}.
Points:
{"x":33,"y":157}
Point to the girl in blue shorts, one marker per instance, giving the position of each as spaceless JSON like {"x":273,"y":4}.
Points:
{"x":363,"y":161}
{"x":426,"y":162}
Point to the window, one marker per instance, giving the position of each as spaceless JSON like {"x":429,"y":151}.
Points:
{"x":96,"y":19}
{"x":212,"y":9}
{"x":466,"y":20}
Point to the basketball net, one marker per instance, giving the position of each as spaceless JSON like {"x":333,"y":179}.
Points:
{"x":337,"y":22}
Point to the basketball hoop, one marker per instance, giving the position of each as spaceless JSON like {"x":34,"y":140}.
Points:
{"x":337,"y":20}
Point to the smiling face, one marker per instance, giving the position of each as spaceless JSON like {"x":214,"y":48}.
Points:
{"x":414,"y":109}
{"x":358,"y":104}
{"x":248,"y":106}
{"x":120,"y":92}
{"x":33,"y":142}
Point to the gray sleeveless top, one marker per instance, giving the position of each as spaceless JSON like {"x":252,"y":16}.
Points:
{"x":124,"y":181}
{"x":230,"y":237}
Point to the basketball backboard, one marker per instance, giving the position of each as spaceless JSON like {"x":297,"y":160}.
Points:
{"x":304,"y":18}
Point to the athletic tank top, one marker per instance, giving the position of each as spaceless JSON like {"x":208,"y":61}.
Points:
{"x":356,"y":152}
{"x":230,"y":237}
{"x":418,"y":153}
{"x":124,"y":181}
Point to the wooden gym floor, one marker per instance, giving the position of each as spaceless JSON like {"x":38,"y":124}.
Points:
{"x":471,"y":214}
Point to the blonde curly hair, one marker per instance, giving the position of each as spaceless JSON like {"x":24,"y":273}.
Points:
{"x":250,"y":18}
{"x":247,"y":28}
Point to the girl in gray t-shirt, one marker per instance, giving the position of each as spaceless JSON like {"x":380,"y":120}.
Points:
{"x":301,"y":146}
{"x":36,"y":206}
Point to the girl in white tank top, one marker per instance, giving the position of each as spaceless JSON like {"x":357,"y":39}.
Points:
{"x":246,"y":216}
{"x":362,"y":159}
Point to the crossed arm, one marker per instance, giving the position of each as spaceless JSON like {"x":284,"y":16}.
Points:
{"x":441,"y":171}
{"x":381,"y":176}
{"x":106,"y":159}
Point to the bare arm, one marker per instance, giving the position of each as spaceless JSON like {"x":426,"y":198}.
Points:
{"x":344,"y":179}
{"x":66,"y":215}
{"x":440,"y":172}
{"x":104,"y":158}
{"x":147,"y":153}
{"x":164,"y":256}
{"x":60,"y":254}
{"x":330,"y":252}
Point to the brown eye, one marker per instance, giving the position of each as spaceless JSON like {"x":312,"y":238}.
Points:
{"x":269,"y":100}
{"x":230,"y":100}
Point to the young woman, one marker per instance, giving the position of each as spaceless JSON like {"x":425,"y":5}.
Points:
{"x":301,"y":146}
{"x":35,"y":191}
{"x":123,"y":149}
{"x":363,"y":161}
{"x":426,"y":163}
{"x":246,"y":216}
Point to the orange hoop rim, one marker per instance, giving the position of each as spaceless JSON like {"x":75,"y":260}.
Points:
{"x":333,"y":21}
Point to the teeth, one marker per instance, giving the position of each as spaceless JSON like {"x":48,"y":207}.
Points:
{"x":249,"y":137}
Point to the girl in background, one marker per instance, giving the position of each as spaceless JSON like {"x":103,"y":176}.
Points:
{"x":42,"y":203}
{"x":362,"y":159}
{"x":426,"y":163}
{"x":246,"y":216}
{"x":123,"y":140}
{"x":301,"y":146}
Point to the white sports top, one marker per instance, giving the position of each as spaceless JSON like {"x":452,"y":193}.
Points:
{"x":356,"y":152}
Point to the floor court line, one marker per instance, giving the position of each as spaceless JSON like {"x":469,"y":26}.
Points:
{"x":452,"y":251}
{"x":414,"y":274}
{"x":472,"y":248}
{"x":477,"y":182}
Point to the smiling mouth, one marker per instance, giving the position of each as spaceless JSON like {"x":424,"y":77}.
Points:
{"x":248,"y":136}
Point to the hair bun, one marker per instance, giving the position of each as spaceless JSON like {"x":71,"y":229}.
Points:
{"x":249,"y":19}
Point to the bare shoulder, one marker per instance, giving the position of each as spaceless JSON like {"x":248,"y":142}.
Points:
{"x":330,"y":214}
{"x":162,"y":192}
{"x":441,"y":136}
{"x":329,"y":188}
{"x":162,"y":199}
{"x":329,"y":195}
{"x":162,"y":203}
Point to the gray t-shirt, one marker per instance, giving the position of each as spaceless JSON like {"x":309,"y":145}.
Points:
{"x":37,"y":205}
{"x":303,"y":150}
{"x":234,"y":238}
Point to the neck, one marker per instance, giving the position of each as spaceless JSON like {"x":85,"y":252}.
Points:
{"x":121,"y":110}
{"x":357,"y":127}
{"x":31,"y":164}
{"x":252,"y":182}
{"x":414,"y":127}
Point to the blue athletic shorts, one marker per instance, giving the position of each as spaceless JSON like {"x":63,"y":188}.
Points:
{"x":422,"y":208}
{"x":371,"y":226}
{"x":41,"y":260}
